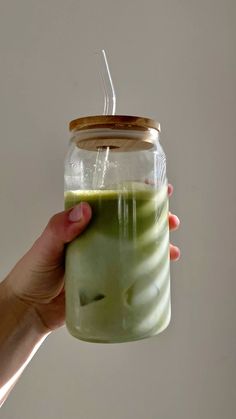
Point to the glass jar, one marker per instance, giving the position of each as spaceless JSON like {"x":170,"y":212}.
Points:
{"x":117,"y":271}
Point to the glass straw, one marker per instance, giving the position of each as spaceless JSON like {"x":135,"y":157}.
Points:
{"x":109,"y":91}
{"x":102,"y":157}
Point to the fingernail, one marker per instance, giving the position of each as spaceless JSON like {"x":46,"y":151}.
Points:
{"x":76,"y":214}
{"x":178,"y":254}
{"x":177,"y":220}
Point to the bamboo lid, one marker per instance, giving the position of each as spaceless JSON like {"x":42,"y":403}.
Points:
{"x":113,"y":121}
{"x":88,"y":132}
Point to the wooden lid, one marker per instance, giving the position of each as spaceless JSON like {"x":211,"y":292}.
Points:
{"x":113,"y":122}
{"x":114,"y":131}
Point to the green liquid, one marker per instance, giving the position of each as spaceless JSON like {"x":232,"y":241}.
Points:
{"x":117,"y":270}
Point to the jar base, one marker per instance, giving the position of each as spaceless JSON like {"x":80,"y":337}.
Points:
{"x":75,"y":334}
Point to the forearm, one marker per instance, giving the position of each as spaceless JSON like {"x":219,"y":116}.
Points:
{"x":21,"y":334}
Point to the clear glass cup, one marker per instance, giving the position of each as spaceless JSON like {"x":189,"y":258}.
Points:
{"x":118,"y":270}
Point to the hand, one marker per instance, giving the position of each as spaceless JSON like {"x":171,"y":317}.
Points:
{"x":174,"y":225}
{"x":38,"y":278}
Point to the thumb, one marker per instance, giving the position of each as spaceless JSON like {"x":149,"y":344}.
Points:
{"x":61,"y":229}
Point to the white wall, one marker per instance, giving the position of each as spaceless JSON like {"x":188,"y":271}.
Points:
{"x":174,"y":61}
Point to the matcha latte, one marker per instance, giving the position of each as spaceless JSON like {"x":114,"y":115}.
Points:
{"x":117,"y":270}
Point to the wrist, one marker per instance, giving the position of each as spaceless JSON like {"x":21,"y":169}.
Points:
{"x":19,"y":316}
{"x":21,"y":334}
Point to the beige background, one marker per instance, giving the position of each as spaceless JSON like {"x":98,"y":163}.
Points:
{"x":171,"y":60}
